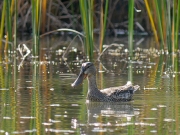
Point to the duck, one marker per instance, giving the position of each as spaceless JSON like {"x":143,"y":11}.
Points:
{"x":112,"y":94}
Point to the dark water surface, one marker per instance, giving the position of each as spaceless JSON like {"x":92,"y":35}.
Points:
{"x":39,"y":99}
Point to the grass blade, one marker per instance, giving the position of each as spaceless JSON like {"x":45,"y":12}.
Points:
{"x":103,"y":22}
{"x":86,"y":9}
{"x":36,"y":15}
{"x":177,"y":25}
{"x":130,"y":26}
{"x":159,"y":23}
{"x":8,"y":22}
{"x":2,"y":22}
{"x":130,"y":36}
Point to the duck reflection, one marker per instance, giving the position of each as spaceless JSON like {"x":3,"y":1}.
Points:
{"x":95,"y":110}
{"x":107,"y":117}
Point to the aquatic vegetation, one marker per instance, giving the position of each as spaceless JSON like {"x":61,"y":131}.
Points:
{"x":103,"y":22}
{"x":2,"y":23}
{"x":36,"y":20}
{"x":130,"y":26}
{"x":86,"y":8}
{"x":39,"y":99}
{"x":164,"y":18}
{"x":95,"y":18}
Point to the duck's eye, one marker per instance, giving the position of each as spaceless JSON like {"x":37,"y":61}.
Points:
{"x":88,"y":66}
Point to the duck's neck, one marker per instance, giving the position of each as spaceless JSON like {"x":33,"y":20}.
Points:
{"x":93,"y":93}
{"x":92,"y":86}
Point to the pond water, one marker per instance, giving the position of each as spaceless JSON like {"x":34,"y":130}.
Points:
{"x":38,"y":98}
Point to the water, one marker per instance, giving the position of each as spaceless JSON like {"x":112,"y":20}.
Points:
{"x":38,"y":99}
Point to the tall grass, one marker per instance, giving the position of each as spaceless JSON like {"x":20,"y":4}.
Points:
{"x":177,"y":19}
{"x":87,"y":11}
{"x":152,"y":21}
{"x":8,"y":19}
{"x":36,"y":15}
{"x":103,"y":22}
{"x":44,"y":10}
{"x":2,"y":22}
{"x":87,"y":17}
{"x":163,"y":15}
{"x":130,"y":36}
{"x":9,"y":23}
{"x":15,"y":24}
{"x":130,"y":26}
{"x":164,"y":19}
{"x":9,"y":11}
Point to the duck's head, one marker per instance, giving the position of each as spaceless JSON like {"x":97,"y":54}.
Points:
{"x":87,"y":70}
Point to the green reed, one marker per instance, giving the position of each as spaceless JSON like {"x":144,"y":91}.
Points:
{"x":38,"y":12}
{"x":9,"y":15}
{"x":103,"y":21}
{"x":44,"y":11}
{"x":177,"y":19}
{"x":9,"y":19}
{"x":164,"y":19}
{"x":159,"y":19}
{"x":130,"y":26}
{"x":15,"y":25}
{"x":87,"y":10}
{"x":36,"y":16}
{"x":2,"y":22}
{"x":9,"y":23}
{"x":130,"y":36}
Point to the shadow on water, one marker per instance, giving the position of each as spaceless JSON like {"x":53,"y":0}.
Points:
{"x":38,"y":98}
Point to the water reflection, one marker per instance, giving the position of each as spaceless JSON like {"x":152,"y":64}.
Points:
{"x":106,"y":117}
{"x":38,"y":98}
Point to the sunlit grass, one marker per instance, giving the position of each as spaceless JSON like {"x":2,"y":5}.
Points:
{"x":163,"y":16}
{"x":15,"y":25}
{"x":152,"y":21}
{"x":9,"y":9}
{"x":164,"y":19}
{"x":2,"y":23}
{"x":130,"y":36}
{"x":36,"y":15}
{"x":130,"y":26}
{"x":103,"y":22}
{"x":86,"y":8}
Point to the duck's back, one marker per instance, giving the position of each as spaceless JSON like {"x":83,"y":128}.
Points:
{"x":121,"y":93}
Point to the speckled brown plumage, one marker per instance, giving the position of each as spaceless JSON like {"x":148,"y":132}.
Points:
{"x":113,"y":94}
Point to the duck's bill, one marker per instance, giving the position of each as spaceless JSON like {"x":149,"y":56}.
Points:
{"x":79,"y":80}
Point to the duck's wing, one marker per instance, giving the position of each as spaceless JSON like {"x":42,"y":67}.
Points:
{"x":120,"y":89}
{"x":122,"y":92}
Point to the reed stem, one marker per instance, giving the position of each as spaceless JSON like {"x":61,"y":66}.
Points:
{"x":86,"y":9}
{"x":15,"y":26}
{"x":2,"y":22}
{"x":103,"y":21}
{"x":130,"y":36}
{"x":130,"y":26}
{"x":177,"y":25}
{"x":36,"y":15}
{"x":151,"y":21}
{"x":8,"y":22}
